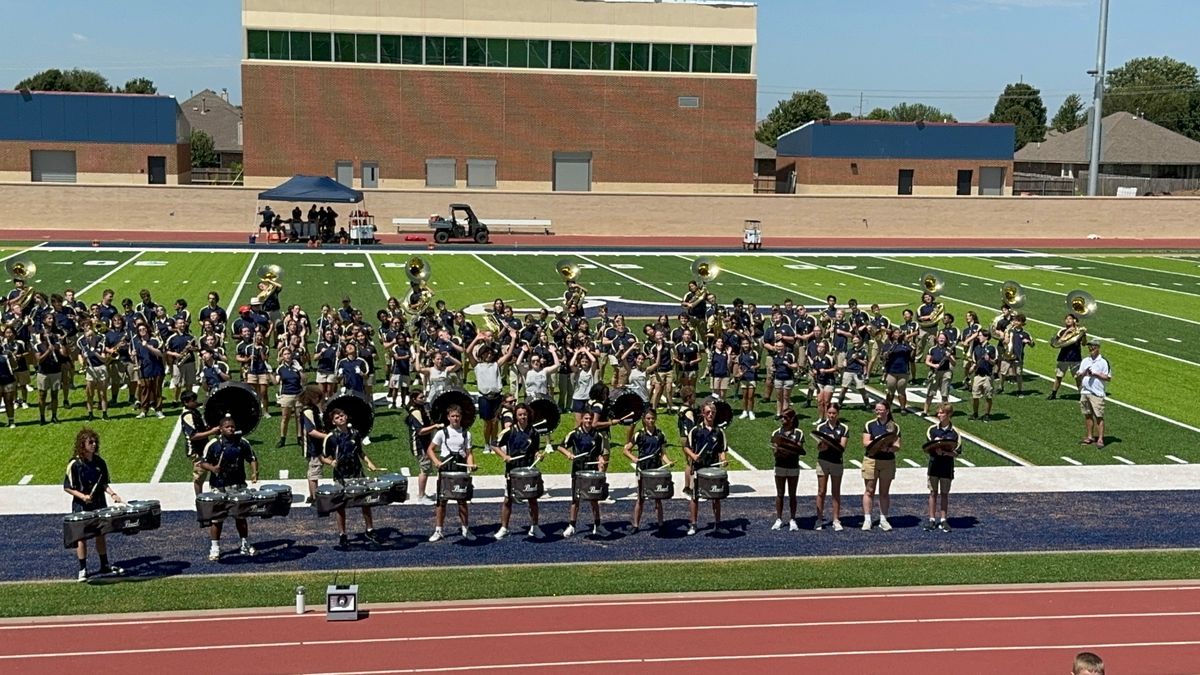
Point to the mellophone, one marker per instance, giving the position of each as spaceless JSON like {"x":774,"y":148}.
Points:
{"x":267,"y":501}
{"x":390,"y":488}
{"x":128,"y":518}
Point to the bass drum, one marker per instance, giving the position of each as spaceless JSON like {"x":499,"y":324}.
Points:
{"x":545,"y":415}
{"x":239,"y":401}
{"x":357,"y":407}
{"x":442,"y":403}
{"x":625,"y":407}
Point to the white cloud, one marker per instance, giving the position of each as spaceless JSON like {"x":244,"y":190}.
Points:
{"x":79,"y":37}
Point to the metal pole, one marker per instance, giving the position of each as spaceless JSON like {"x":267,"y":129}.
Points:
{"x":1098,"y":103}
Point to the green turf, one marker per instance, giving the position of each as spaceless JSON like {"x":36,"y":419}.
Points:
{"x":278,"y":590}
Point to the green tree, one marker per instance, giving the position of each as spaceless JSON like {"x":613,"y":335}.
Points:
{"x":70,"y":80}
{"x":840,"y":116}
{"x":880,"y":114}
{"x":1070,"y":115}
{"x":802,"y":107}
{"x":140,"y":85}
{"x":1021,"y":105}
{"x":203,"y":152}
{"x":1160,"y":89}
{"x":911,"y":112}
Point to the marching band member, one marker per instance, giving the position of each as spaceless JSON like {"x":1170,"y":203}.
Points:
{"x":400,"y":356}
{"x":437,"y":375}
{"x":343,"y":450}
{"x":695,"y":302}
{"x":720,"y":366}
{"x":910,"y":332}
{"x":326,"y":356}
{"x":225,"y":458}
{"x":518,"y":447}
{"x":783,"y":369}
{"x":664,"y":374}
{"x":289,"y":375}
{"x":897,"y":356}
{"x":1069,"y":356}
{"x":420,"y":434}
{"x":66,"y":322}
{"x":811,"y":348}
{"x":196,"y":434}
{"x":487,"y":366}
{"x":537,"y":379}
{"x":941,"y":467}
{"x":214,"y":313}
{"x":212,"y":371}
{"x":585,"y":448}
{"x":686,"y":356}
{"x":651,"y":446}
{"x":747,"y":378}
{"x":584,"y":374}
{"x":90,"y":348}
{"x":449,"y":451}
{"x":312,"y":430}
{"x":880,"y":470}
{"x":829,"y":465}
{"x":180,"y":347}
{"x":1012,"y":355}
{"x":787,"y":468}
{"x":981,"y":383}
{"x":940,"y":361}
{"x":968,"y":339}
{"x":855,"y":374}
{"x":1092,"y":376}
{"x":88,"y":482}
{"x":824,"y":375}
{"x":705,"y":447}
{"x":50,"y":356}
{"x":254,"y":356}
{"x":8,"y":375}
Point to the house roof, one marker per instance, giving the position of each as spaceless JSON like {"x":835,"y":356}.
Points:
{"x":1125,"y":139}
{"x":211,"y":113}
{"x":763,"y":151}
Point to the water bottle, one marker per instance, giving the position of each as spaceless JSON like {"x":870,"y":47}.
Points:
{"x":300,"y":608}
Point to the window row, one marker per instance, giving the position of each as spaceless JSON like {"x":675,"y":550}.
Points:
{"x":496,"y":52}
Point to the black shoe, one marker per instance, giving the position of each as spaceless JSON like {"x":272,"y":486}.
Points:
{"x":974,"y":417}
{"x":929,"y":526}
{"x":282,"y":442}
{"x":112,"y":569}
{"x":310,"y":500}
{"x":42,"y":421}
{"x":66,"y":404}
{"x":343,"y":541}
{"x":1053,"y":395}
{"x":373,"y":537}
{"x":687,"y":491}
{"x":54,"y":419}
{"x":91,"y":416}
{"x":104,"y":415}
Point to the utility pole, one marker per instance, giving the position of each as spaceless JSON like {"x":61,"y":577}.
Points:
{"x":1097,"y":103}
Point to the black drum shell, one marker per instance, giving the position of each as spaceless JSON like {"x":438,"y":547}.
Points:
{"x":398,"y":492}
{"x":211,"y":507}
{"x":250,"y":504}
{"x":357,"y":407}
{"x":282,"y":504}
{"x":712,"y":483}
{"x":455,"y":486}
{"x":328,"y":498}
{"x":656,"y":484}
{"x":80,"y":526}
{"x":590,"y":486}
{"x":526,"y":483}
{"x":150,"y":511}
{"x":237,"y":399}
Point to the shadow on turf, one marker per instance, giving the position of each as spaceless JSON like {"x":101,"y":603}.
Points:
{"x":271,"y":551}
{"x":144,"y":568}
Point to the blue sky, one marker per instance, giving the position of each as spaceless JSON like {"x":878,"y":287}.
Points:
{"x":954,"y":54}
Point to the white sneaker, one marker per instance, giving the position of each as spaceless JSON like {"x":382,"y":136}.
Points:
{"x":866,"y":523}
{"x":792,"y":526}
{"x":247,"y":549}
{"x":599,"y":531}
{"x":751,"y":414}
{"x":778,"y":524}
{"x":819,"y":524}
{"x":214,"y":553}
{"x":467,"y":534}
{"x":691,"y":530}
{"x":436,"y":536}
{"x":159,"y":414}
{"x":366,"y":440}
{"x":266,"y":415}
{"x":82,"y":576}
{"x":501,"y":533}
{"x":884,"y":524}
{"x":745,"y":415}
{"x":140,"y":416}
{"x":837,"y":526}
{"x":569,"y":532}
{"x":426,"y":500}
{"x":536,"y":532}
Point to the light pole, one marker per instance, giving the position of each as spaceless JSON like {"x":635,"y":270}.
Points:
{"x":1097,"y":102}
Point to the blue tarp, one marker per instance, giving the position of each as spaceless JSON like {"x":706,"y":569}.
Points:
{"x":312,"y":189}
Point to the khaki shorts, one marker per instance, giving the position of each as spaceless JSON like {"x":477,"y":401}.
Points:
{"x":50,"y":382}
{"x":878,"y":468}
{"x":981,"y":386}
{"x":939,"y":381}
{"x":785,"y":384}
{"x":1066,"y":368}
{"x":1092,"y":406}
{"x":8,"y":388}
{"x":665,"y":378}
{"x":425,"y":464}
{"x":262,"y":378}
{"x":183,"y":375}
{"x":1008,"y":368}
{"x":315,"y":465}
{"x":896,"y":382}
{"x":326,"y":378}
{"x":785,"y":472}
{"x":22,"y":378}
{"x":116,"y":372}
{"x":939,"y":485}
{"x":748,"y":385}
{"x":132,"y":373}
{"x":827,"y":468}
{"x":397,"y":381}
{"x":95,"y":374}
{"x":198,"y":474}
{"x":286,"y":401}
{"x":720,"y":383}
{"x":853,"y":380}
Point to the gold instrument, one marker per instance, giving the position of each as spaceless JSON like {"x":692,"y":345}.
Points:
{"x":569,"y":272}
{"x":932,"y":284}
{"x":1012,"y":294}
{"x":1081,"y":304}
{"x":269,"y":276}
{"x":417,"y":270}
{"x":705,"y":270}
{"x":24,"y":270}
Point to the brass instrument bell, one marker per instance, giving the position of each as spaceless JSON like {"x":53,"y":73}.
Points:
{"x":1081,"y":303}
{"x":21,"y":268}
{"x":1012,"y":294}
{"x":705,"y":270}
{"x":416,"y":269}
{"x":270,"y":272}
{"x":567,"y":270}
{"x":932,"y":283}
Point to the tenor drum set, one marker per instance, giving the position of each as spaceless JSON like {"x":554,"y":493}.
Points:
{"x":391,"y":488}
{"x":128,"y":518}
{"x":267,"y":501}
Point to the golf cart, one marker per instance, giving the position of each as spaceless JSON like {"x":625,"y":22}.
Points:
{"x":462,"y":224}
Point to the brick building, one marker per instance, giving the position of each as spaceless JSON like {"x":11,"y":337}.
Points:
{"x":536,"y":95}
{"x":69,"y":137}
{"x":887,"y":158}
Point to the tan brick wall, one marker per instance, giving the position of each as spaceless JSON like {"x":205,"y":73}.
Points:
{"x":108,"y":162}
{"x":302,"y":119}
{"x":849,"y":171}
{"x":67,"y":207}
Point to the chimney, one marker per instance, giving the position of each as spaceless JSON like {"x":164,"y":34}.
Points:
{"x":225,"y":94}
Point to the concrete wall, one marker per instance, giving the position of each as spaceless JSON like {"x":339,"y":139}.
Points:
{"x":108,"y":163}
{"x":849,"y":175}
{"x":69,"y":207}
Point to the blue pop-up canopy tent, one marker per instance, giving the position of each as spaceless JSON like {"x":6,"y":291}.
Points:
{"x":301,"y":188}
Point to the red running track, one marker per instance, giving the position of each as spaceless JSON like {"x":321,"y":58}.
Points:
{"x":1028,"y":630}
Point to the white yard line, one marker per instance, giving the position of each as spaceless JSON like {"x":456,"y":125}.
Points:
{"x":111,"y":272}
{"x":1152,"y":286}
{"x":25,"y":480}
{"x":458,"y":251}
{"x":1132,"y":267}
{"x":508,"y":279}
{"x":378,"y":277}
{"x":965,"y":462}
{"x":912,"y":463}
{"x":24,"y":250}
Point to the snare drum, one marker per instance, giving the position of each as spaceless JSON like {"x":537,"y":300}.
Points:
{"x":79,"y":526}
{"x":590,"y":486}
{"x":328,"y":499}
{"x":656,"y":484}
{"x":281,"y":505}
{"x":357,"y":492}
{"x":398,"y":487}
{"x":455,"y":486}
{"x":211,"y":507}
{"x":525,"y":483}
{"x":712,"y":483}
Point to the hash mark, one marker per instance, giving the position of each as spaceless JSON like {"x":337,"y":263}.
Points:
{"x":1123,"y":460}
{"x":1175,"y":459}
{"x":1068,"y":460}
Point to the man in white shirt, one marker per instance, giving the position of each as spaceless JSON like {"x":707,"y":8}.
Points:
{"x":1092,"y":377}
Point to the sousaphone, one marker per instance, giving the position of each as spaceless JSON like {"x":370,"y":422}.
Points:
{"x":239,"y":401}
{"x":417,"y":270}
{"x":24,"y":270}
{"x":932,"y":284}
{"x":443,"y":402}
{"x":1012,"y":294}
{"x":358,"y":409}
{"x":1082,"y":305}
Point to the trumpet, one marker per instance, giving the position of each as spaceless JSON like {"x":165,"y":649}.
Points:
{"x":417,"y":270}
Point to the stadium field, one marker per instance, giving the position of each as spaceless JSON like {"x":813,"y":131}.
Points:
{"x":1147,"y":317}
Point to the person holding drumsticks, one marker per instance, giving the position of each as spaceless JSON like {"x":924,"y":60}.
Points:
{"x":518,"y":447}
{"x":343,"y":450}
{"x":832,"y":434}
{"x":225,"y":458}
{"x":450,"y":451}
{"x":787,"y":445}
{"x":705,"y":447}
{"x":87,"y":481}
{"x":651,"y":446}
{"x":585,"y":447}
{"x":941,"y":465}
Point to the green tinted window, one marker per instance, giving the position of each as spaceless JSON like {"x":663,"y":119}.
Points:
{"x":389,"y":48}
{"x":539,"y":53}
{"x":301,"y":49}
{"x":476,"y":52}
{"x":702,"y":58}
{"x":256,"y":44}
{"x":741,"y":59}
{"x":722,"y":61}
{"x":581,"y":55}
{"x":601,"y":56}
{"x":560,"y":54}
{"x":660,"y":58}
{"x":518,"y":53}
{"x":641,"y":56}
{"x":681,"y":58}
{"x":366,"y":48}
{"x":322,"y":47}
{"x":435,"y":51}
{"x":343,"y":47}
{"x":497,"y":53}
{"x":622,"y":56}
{"x":412,"y":49}
{"x":277,"y":45}
{"x":455,"y":52}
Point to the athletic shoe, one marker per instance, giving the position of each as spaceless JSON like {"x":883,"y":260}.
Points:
{"x":818,"y":524}
{"x":436,"y":536}
{"x":944,"y":526}
{"x":468,"y":534}
{"x":501,"y":533}
{"x":282,"y":442}
{"x":266,"y":415}
{"x":343,"y":541}
{"x":569,"y":532}
{"x":373,"y":537}
{"x":12,"y":425}
{"x":309,"y":500}
{"x":752,"y":415}
{"x":837,"y":526}
{"x":424,"y":500}
{"x":929,"y":525}
{"x":536,"y":532}
{"x":745,"y":415}
{"x":599,"y":531}
{"x":778,"y":524}
{"x":884,"y":524}
{"x":214,"y":554}
{"x":366,"y":440}
{"x":113,"y":570}
{"x":159,"y":414}
{"x":247,"y":549}
{"x":82,"y":576}
{"x":866,"y":524}
{"x":633,"y":529}
{"x":691,"y":530}
{"x":139,"y":416}
{"x":792,"y":526}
